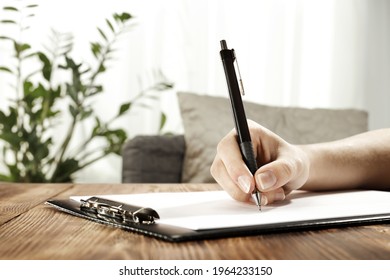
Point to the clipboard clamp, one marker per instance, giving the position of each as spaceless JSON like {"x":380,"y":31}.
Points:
{"x":116,"y":212}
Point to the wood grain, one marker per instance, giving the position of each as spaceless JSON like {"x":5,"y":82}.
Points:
{"x":30,"y":229}
{"x":19,"y":198}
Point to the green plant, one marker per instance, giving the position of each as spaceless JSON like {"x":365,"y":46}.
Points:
{"x":31,"y":152}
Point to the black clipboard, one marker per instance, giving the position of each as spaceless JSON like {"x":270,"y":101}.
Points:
{"x":171,"y":233}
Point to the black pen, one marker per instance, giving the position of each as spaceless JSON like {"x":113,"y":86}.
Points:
{"x":244,"y":139}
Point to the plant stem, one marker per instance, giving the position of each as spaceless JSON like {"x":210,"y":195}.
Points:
{"x":93,"y":160}
{"x":63,"y":148}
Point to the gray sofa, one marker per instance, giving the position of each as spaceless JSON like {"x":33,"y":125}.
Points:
{"x":153,"y":159}
{"x":187,"y":158}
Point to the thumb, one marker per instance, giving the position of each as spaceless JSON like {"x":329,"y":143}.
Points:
{"x":275,"y":175}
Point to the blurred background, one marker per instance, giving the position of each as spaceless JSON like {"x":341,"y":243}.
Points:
{"x":305,"y":53}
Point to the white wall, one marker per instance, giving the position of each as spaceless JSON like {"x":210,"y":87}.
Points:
{"x":311,"y":53}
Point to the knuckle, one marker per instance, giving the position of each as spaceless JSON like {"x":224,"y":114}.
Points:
{"x":288,"y":168}
{"x":215,"y":167}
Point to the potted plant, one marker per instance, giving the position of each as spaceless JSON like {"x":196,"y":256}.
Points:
{"x":29,"y":149}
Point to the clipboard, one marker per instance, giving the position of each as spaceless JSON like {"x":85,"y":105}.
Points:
{"x":119,"y":214}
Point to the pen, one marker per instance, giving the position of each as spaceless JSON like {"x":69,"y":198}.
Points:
{"x":244,"y":139}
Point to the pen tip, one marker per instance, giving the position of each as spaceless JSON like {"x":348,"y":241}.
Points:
{"x":257,"y":198}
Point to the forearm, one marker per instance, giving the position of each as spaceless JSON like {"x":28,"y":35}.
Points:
{"x":359,"y":161}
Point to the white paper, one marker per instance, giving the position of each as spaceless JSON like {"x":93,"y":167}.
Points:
{"x":216,"y":209}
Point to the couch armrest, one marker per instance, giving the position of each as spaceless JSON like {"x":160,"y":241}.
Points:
{"x":153,"y":159}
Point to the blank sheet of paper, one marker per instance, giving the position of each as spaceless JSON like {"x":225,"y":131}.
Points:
{"x":216,"y":209}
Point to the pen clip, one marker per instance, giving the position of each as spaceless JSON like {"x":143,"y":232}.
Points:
{"x":241,"y":84}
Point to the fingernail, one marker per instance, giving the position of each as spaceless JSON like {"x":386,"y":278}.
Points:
{"x":264,"y":200}
{"x":266,"y":180}
{"x":279,"y":196}
{"x":245,"y":183}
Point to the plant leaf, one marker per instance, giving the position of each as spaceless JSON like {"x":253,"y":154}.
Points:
{"x":8,"y":8}
{"x":8,"y":121}
{"x":124,"y":108}
{"x":163,"y":120}
{"x":3,"y":117}
{"x":8,"y":21}
{"x":11,"y":138}
{"x":123,"y":17}
{"x":73,"y":111}
{"x":6,"y":69}
{"x":47,"y":67}
{"x":14,"y":172}
{"x":86,"y":114}
{"x":102,"y":68}
{"x":6,"y":38}
{"x":19,"y":48}
{"x":96,"y":49}
{"x":32,"y":6}
{"x":110,"y":26}
{"x":5,"y":178}
{"x":102,"y":34}
{"x":66,"y":169}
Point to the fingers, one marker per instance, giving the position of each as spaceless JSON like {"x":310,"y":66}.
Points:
{"x":274,"y":175}
{"x":229,"y":167}
{"x":285,"y":167}
{"x":223,"y":178}
{"x":232,"y":174}
{"x":289,"y":171}
{"x":237,"y":192}
{"x":272,"y":196}
{"x":235,"y":189}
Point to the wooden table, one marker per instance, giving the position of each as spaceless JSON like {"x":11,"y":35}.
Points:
{"x":29,"y":229}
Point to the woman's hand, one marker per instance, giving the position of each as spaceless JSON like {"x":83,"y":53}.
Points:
{"x":282,"y":167}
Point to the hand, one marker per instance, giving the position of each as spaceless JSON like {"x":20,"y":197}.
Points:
{"x":283,"y":167}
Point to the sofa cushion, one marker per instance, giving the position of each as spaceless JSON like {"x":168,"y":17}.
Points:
{"x":153,"y":159}
{"x":207,"y":119}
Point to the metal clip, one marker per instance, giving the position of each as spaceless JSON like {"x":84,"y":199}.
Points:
{"x":113,"y":211}
{"x":241,"y":84}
